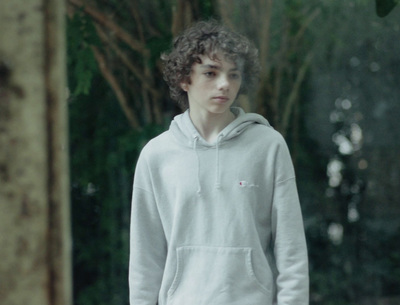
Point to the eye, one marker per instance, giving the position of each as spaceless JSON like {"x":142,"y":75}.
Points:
{"x":209,"y":74}
{"x":235,"y":76}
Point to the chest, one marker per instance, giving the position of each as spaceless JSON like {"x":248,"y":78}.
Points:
{"x":229,"y":175}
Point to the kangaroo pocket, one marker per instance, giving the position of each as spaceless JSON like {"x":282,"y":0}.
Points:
{"x":219,"y":275}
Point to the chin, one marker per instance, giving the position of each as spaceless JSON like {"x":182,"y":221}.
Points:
{"x":219,"y":110}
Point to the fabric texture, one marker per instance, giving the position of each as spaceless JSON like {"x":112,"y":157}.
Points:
{"x":220,"y":223}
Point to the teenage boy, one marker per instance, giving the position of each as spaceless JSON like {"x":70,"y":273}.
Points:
{"x":216,"y":218}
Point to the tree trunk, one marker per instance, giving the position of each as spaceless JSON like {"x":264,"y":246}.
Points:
{"x":34,"y":193}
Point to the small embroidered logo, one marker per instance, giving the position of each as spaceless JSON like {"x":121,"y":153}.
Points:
{"x":246,"y":184}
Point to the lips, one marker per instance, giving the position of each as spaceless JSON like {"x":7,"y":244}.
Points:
{"x":221,"y":99}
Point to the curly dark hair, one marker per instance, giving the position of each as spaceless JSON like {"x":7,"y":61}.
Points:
{"x":207,"y":38}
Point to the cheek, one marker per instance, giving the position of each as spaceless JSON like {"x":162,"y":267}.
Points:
{"x":237,"y":86}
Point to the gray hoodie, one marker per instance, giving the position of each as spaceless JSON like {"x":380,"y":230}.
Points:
{"x":217,"y":224}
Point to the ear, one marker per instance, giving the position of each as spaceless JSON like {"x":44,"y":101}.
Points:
{"x":184,"y":86}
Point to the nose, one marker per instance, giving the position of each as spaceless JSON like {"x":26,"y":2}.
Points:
{"x":223,"y":82}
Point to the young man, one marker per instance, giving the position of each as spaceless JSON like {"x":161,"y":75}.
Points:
{"x":216,"y":218}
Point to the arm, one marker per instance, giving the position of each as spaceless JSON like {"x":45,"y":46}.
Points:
{"x":147,"y":242}
{"x":289,"y":242}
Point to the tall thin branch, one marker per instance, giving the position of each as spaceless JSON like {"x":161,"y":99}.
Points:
{"x":294,"y":93}
{"x":226,"y":12}
{"x":264,"y":42}
{"x":281,"y":64}
{"x":265,"y":38}
{"x":137,"y":71}
{"x":111,"y":79}
{"x":138,"y":20}
{"x":305,"y":25}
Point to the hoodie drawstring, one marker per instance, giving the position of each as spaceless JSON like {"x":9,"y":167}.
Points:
{"x":196,"y":139}
{"x":218,"y":178}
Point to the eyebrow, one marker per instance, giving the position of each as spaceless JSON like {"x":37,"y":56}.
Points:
{"x":209,"y":66}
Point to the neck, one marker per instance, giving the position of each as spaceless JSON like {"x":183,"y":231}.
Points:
{"x":209,"y":125}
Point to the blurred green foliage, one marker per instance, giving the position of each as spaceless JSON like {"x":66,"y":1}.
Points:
{"x":103,"y":151}
{"x":81,"y":35}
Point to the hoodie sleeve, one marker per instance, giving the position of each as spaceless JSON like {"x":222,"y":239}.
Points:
{"x":147,"y":241}
{"x":289,"y":242}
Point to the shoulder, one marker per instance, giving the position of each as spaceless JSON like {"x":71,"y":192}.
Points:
{"x":159,"y":141}
{"x":268,"y":143}
{"x":151,"y":153}
{"x":159,"y":147}
{"x":257,"y":127}
{"x":157,"y":144}
{"x":265,"y":135}
{"x":276,"y":150}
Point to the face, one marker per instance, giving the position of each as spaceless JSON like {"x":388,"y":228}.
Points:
{"x":214,"y":85}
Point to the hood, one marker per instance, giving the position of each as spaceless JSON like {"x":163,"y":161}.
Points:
{"x":186,"y":134}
